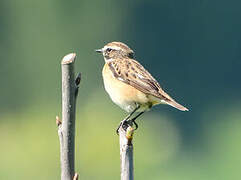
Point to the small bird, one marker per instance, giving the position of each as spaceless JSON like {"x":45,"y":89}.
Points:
{"x":129,"y":84}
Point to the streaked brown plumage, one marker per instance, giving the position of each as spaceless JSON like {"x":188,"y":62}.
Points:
{"x":128,"y":83}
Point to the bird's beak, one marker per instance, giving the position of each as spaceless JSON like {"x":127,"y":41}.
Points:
{"x":99,"y":50}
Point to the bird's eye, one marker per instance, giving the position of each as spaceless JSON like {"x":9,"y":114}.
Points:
{"x":108,"y":49}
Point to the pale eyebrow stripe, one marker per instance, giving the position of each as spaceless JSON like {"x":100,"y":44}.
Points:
{"x":112,"y":47}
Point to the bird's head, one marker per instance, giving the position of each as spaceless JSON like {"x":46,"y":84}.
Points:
{"x":116,"y":50}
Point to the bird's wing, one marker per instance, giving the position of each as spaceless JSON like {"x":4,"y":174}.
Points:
{"x":133,"y":73}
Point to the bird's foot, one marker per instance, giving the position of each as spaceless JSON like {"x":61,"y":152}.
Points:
{"x":125,"y":124}
{"x":122,"y":124}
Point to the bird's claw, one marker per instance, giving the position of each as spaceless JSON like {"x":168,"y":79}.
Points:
{"x":125,"y":123}
{"x":136,"y":125}
{"x":120,"y":125}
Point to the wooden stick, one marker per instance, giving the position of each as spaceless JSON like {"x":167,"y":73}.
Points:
{"x":126,"y":153}
{"x":66,"y":128}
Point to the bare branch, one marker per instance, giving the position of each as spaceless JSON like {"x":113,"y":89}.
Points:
{"x":126,"y":153}
{"x":66,"y":128}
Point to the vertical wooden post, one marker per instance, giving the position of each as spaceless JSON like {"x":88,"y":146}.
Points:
{"x":66,"y":128}
{"x":126,"y":153}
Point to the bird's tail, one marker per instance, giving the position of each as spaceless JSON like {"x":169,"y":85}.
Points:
{"x":175,"y":104}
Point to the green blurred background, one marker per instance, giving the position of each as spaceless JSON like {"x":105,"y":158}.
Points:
{"x":193,"y":48}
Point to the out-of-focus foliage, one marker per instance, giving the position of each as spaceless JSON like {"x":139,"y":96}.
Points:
{"x":193,"y":48}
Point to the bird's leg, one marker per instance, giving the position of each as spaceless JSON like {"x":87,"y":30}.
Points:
{"x":134,"y":119}
{"x":127,"y":118}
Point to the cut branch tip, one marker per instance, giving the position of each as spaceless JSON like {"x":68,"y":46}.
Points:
{"x":69,"y":58}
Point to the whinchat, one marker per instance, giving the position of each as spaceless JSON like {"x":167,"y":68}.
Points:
{"x":129,"y":84}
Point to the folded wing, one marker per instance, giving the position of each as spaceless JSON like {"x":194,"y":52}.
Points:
{"x":134,"y":74}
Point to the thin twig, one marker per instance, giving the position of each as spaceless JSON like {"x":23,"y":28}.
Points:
{"x":66,"y":128}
